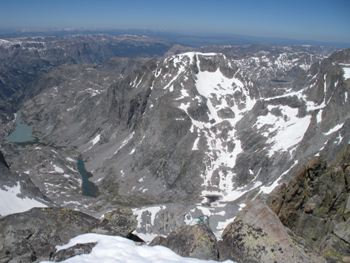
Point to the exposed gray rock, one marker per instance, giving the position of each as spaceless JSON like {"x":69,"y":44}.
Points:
{"x":257,"y":235}
{"x":33,"y":235}
{"x":347,"y":206}
{"x":3,"y":161}
{"x":314,"y":205}
{"x":23,"y":61}
{"x":196,"y":241}
{"x":76,"y":250}
{"x":342,"y":230}
{"x":117,"y":222}
{"x":159,"y":241}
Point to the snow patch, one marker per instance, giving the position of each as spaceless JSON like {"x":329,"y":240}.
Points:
{"x":221,"y":227}
{"x":241,"y":206}
{"x":152,"y":211}
{"x":334,"y":129}
{"x":125,"y":142}
{"x":346,"y":72}
{"x":283,"y":132}
{"x":132,"y":151}
{"x":93,"y":142}
{"x":147,"y":237}
{"x":11,"y":203}
{"x":269,"y":189}
{"x":319,"y":116}
{"x":57,"y":169}
{"x":195,"y":144}
{"x":70,"y":160}
{"x":96,"y":139}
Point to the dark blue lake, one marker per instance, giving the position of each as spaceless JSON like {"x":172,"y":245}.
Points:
{"x":88,"y":188}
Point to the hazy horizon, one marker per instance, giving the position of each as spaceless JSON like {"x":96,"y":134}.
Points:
{"x":326,"y":21}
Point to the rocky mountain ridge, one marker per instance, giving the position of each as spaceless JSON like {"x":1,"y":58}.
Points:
{"x":24,"y":60}
{"x":200,"y":128}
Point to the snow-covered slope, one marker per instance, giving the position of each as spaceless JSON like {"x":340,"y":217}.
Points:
{"x":17,"y":192}
{"x":12,"y":202}
{"x":114,"y":249}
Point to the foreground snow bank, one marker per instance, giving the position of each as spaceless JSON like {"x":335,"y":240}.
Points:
{"x":113,"y":249}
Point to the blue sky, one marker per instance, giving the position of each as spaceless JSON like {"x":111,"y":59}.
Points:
{"x":324,"y":20}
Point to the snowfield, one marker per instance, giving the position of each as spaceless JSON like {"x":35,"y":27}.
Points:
{"x":284,"y":132}
{"x":114,"y":249}
{"x":11,"y":203}
{"x":346,"y":72}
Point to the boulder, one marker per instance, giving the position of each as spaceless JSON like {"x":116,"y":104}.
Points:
{"x":76,"y":250}
{"x":120,"y":221}
{"x":257,"y":235}
{"x":315,"y":205}
{"x":196,"y":241}
{"x":159,"y":241}
{"x":33,"y":235}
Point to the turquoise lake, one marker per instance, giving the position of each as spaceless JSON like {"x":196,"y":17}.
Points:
{"x":23,"y":133}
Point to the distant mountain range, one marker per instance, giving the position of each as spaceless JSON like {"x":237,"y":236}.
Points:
{"x":194,"y":39}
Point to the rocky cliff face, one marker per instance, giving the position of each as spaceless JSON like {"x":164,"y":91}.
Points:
{"x":315,"y":206}
{"x":24,"y":60}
